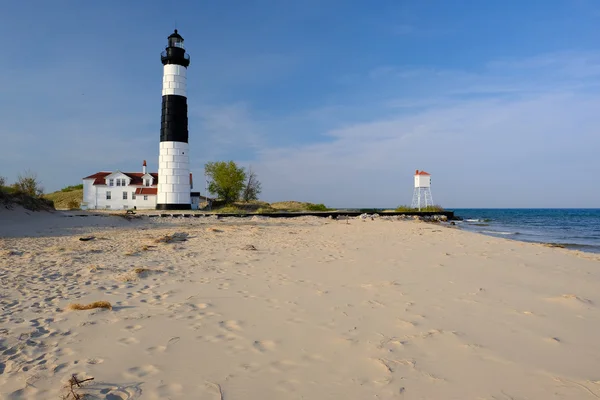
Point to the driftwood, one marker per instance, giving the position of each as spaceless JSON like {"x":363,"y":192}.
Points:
{"x":74,"y":384}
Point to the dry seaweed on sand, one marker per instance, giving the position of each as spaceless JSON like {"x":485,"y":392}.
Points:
{"x":96,"y":304}
{"x":176,"y":237}
{"x":135,"y":274}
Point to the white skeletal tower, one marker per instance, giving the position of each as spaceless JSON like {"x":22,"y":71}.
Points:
{"x":422,"y":194}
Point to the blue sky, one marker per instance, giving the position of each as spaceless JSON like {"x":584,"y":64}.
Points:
{"x":329,"y":101}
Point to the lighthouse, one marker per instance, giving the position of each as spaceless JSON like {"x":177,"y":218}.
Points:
{"x":174,"y":160}
{"x":422,"y":193}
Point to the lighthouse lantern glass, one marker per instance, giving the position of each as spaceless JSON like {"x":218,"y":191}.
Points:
{"x":176,"y":42}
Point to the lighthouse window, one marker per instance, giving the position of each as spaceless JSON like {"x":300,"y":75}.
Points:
{"x":108,"y":196}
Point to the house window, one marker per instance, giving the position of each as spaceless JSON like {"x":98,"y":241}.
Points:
{"x":118,"y":182}
{"x":145,"y":197}
{"x":108,"y":197}
{"x":132,"y":195}
{"x":124,"y":195}
{"x":111,"y":182}
{"x":123,"y":182}
{"x":146,"y":182}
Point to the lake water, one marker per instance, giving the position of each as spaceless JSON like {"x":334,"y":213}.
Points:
{"x":573,"y":228}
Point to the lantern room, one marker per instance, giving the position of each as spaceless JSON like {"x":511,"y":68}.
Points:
{"x":422,"y":179}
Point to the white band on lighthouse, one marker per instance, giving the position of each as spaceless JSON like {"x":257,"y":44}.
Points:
{"x":173,"y":173}
{"x":174,"y":80}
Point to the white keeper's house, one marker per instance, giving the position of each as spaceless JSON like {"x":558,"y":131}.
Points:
{"x":125,"y":190}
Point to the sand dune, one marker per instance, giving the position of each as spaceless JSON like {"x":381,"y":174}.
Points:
{"x":291,"y":309}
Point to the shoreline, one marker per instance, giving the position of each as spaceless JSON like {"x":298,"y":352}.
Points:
{"x":457,"y":223}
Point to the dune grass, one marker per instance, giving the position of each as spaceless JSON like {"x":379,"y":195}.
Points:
{"x":68,"y":200}
{"x":434,"y":208}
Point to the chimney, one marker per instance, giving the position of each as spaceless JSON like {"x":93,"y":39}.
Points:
{"x":144,"y":167}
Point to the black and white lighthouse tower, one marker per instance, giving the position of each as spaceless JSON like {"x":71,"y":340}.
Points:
{"x":173,"y":161}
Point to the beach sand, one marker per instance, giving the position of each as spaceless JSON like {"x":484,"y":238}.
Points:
{"x":303,"y":308}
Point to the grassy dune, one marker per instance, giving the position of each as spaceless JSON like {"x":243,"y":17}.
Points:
{"x":66,"y":200}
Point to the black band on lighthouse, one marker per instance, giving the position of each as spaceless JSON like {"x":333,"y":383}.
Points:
{"x":174,"y":122}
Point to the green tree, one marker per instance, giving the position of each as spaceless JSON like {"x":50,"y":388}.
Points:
{"x":252,"y":188}
{"x":227,"y":180}
{"x":29,"y":184}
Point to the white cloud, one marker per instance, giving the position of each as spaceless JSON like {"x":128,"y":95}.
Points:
{"x":493,"y":153}
{"x":489,"y":139}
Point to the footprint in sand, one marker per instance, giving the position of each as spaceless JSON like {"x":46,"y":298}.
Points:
{"x":283,"y":366}
{"x":156,"y":349}
{"x":402,"y":323}
{"x":123,"y":394}
{"x":141,"y":371}
{"x":133,"y":328}
{"x":164,"y":391}
{"x":232,"y":326}
{"x":128,"y":341}
{"x":218,"y":338}
{"x":250,"y":367}
{"x":295,"y":320}
{"x":264,"y":345}
{"x":553,"y":340}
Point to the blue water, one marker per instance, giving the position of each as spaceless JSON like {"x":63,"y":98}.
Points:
{"x":573,"y":228}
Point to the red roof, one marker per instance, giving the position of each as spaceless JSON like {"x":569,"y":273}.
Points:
{"x":421,"y":173}
{"x":146,"y":191}
{"x":136,"y":177}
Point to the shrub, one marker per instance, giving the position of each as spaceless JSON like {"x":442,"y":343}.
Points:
{"x":316,"y":207}
{"x":29,"y":184}
{"x":231,"y":210}
{"x":434,"y":208}
{"x":71,"y":188}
